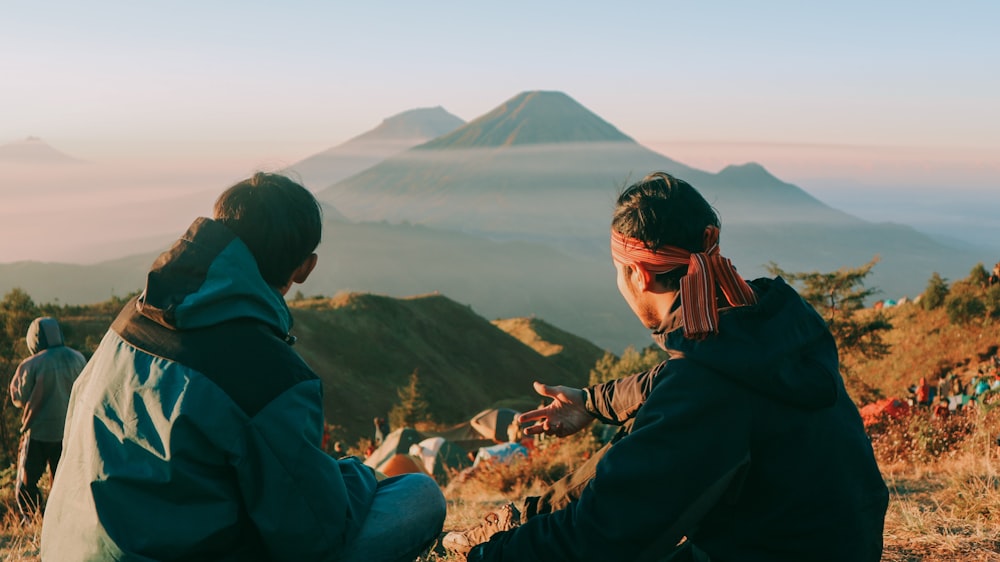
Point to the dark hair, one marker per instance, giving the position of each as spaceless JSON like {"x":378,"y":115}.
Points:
{"x":661,"y":210}
{"x":279,"y":220}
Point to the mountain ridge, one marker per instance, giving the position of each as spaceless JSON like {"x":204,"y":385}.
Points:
{"x":393,"y":135}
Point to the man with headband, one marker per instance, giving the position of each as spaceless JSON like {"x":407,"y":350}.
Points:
{"x":743,"y":445}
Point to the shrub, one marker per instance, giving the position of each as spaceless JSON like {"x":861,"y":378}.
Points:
{"x":964,"y":308}
{"x":992,"y":301}
{"x":935,"y":293}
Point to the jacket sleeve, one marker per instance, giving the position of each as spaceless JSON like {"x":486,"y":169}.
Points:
{"x":305,"y":504}
{"x":688,"y":451}
{"x":617,"y":401}
{"x":22,"y":385}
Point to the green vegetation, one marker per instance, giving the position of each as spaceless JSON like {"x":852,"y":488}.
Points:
{"x":838,"y":296}
{"x":609,"y":367}
{"x":411,"y":409}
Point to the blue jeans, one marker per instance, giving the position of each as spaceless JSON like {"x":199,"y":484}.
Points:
{"x":406,"y":516}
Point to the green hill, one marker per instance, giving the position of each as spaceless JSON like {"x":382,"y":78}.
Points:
{"x":365,"y":346}
{"x":564,"y":350}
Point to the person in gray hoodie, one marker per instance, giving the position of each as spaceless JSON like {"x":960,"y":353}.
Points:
{"x":41,"y":387}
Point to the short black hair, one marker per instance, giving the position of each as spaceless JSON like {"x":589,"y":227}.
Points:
{"x":278,"y":219}
{"x":661,"y":210}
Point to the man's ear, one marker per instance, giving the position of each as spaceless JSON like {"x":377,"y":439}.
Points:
{"x":641,"y":276}
{"x":302,"y":272}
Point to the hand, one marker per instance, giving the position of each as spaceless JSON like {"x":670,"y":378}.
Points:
{"x":565,"y":415}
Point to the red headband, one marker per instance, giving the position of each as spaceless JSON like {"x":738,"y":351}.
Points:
{"x":706,"y":270}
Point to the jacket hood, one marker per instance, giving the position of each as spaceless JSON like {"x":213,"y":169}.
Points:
{"x":780,"y":347}
{"x":43,"y":333}
{"x":208,"y":277}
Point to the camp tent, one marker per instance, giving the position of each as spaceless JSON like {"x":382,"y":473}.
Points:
{"x":440,"y":457}
{"x":407,"y":450}
{"x":493,"y":423}
{"x":396,"y":443}
{"x":502,"y":453}
{"x":887,"y":408}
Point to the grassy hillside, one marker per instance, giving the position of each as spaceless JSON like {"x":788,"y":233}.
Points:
{"x":564,"y":350}
{"x":365,"y":346}
{"x":944,"y":478}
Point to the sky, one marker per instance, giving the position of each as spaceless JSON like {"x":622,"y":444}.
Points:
{"x":841,"y":98}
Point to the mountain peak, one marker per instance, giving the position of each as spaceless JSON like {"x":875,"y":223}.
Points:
{"x":751,"y":172}
{"x":35,"y":151}
{"x":533,"y":117}
{"x":420,"y":123}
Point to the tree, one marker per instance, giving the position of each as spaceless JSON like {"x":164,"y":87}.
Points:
{"x":978,"y":276}
{"x":412,"y":408}
{"x":609,"y":367}
{"x":17,"y":310}
{"x":936,"y":292}
{"x":838,"y":296}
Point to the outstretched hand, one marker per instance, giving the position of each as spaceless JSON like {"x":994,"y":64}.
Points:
{"x":565,"y":415}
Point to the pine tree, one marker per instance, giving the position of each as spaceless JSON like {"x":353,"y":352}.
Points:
{"x":838,"y":296}
{"x":411,"y":408}
{"x":936,"y":292}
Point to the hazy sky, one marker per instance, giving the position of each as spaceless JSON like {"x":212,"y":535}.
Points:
{"x":809,"y":88}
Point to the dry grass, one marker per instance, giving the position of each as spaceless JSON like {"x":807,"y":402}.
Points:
{"x":945,"y":510}
{"x":19,"y":541}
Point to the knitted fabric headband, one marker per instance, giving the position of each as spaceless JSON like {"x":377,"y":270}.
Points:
{"x":706,"y":271}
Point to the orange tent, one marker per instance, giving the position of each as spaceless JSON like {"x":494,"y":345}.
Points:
{"x":887,"y":408}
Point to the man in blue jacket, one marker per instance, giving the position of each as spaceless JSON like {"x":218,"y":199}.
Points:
{"x":743,"y":445}
{"x":195,"y":431}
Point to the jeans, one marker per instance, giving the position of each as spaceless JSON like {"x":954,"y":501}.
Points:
{"x":406,"y":517}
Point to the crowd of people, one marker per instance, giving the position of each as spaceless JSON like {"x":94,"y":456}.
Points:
{"x":953,"y":393}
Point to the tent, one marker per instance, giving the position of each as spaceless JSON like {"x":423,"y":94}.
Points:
{"x":400,"y":464}
{"x":439,"y":457}
{"x":887,"y":408}
{"x":396,"y":443}
{"x":502,"y":453}
{"x":493,"y":423}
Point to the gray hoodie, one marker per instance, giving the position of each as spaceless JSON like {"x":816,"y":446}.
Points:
{"x":42,"y":382}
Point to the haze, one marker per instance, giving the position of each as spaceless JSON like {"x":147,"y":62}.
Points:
{"x":887,"y":111}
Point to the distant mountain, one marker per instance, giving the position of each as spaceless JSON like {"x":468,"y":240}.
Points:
{"x":33,"y":150}
{"x":498,"y":279}
{"x":394,"y":135}
{"x":567,"y":351}
{"x":531,"y":118}
{"x":365,"y":346}
{"x":524,"y":171}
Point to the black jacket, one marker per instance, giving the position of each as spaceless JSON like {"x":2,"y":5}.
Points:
{"x":746,"y":443}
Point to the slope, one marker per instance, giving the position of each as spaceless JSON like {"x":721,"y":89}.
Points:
{"x":564,"y":350}
{"x":365,"y":346}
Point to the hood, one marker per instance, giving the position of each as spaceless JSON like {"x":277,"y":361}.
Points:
{"x":780,"y":347}
{"x":43,"y":333}
{"x":208,"y":277}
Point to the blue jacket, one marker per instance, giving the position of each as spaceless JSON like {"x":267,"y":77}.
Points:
{"x":194,"y":432}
